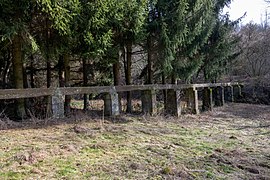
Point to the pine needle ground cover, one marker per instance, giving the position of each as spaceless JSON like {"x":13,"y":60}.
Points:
{"x":232,"y":142}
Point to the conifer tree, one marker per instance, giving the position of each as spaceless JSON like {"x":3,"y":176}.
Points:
{"x":220,"y":48}
{"x":93,"y":32}
{"x":176,"y":30}
{"x":16,"y":27}
{"x":127,"y":29}
{"x":13,"y":24}
{"x":199,"y":24}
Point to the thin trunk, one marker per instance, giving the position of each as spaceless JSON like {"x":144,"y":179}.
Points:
{"x":128,"y":76}
{"x":205,"y":75}
{"x":48,"y":77}
{"x":85,"y":80}
{"x":49,"y":72}
{"x":116,"y":76}
{"x":125,"y":61}
{"x":6,"y":72}
{"x":67,"y":81}
{"x":60,"y":71}
{"x":173,"y":79}
{"x":32,"y":82}
{"x":164,"y":91}
{"x":18,"y":73}
{"x":150,"y":61}
{"x":25,"y":80}
{"x":49,"y":69}
{"x":116,"y":73}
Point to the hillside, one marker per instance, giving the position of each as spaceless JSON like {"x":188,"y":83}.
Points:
{"x":232,"y":142}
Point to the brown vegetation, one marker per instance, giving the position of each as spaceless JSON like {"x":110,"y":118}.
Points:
{"x":232,"y":142}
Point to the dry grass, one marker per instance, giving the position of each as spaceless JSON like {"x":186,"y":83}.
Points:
{"x":230,"y":143}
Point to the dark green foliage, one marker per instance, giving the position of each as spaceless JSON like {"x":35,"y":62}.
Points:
{"x":15,"y":15}
{"x":220,"y":49}
{"x":211,"y":46}
{"x":61,"y":13}
{"x":179,"y":28}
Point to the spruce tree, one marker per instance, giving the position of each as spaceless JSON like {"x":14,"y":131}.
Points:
{"x":176,"y":30}
{"x":14,"y":23}
{"x":220,"y":50}
{"x":221,"y":47}
{"x":127,"y":30}
{"x":93,"y":33}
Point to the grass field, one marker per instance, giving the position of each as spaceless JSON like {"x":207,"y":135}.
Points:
{"x":232,"y":142}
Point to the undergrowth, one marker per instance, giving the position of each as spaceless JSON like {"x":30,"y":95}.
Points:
{"x":217,"y":145}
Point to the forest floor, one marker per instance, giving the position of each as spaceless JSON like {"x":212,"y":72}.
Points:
{"x":232,"y":142}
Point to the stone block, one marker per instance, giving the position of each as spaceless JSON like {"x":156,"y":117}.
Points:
{"x":207,"y":99}
{"x":111,"y":104}
{"x":192,"y":100}
{"x":58,"y":104}
{"x":173,"y":106}
{"x":218,"y":95}
{"x":149,"y":102}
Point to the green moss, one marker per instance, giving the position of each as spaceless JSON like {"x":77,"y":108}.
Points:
{"x":11,"y":175}
{"x":66,"y":171}
{"x":227,"y":169}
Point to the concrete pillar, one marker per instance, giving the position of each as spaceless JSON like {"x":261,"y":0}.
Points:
{"x":237,"y":92}
{"x":219,"y":96}
{"x":111,"y":104}
{"x":207,"y":99}
{"x":228,"y":94}
{"x":192,"y":100}
{"x":149,"y":102}
{"x":58,"y":101}
{"x":173,"y":106}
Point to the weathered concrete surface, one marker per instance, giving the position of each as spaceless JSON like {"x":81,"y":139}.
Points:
{"x":192,"y":100}
{"x":173,"y":106}
{"x":58,"y":101}
{"x":111,"y":103}
{"x":228,"y":91}
{"x":237,"y":92}
{"x":207,"y":99}
{"x":218,"y":95}
{"x":149,"y":102}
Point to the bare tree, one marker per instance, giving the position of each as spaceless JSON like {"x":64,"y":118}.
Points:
{"x":255,"y":45}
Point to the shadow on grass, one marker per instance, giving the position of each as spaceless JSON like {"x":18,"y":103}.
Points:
{"x":76,"y":116}
{"x":247,"y":111}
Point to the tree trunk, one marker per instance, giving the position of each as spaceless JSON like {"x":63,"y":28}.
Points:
{"x":60,"y":71}
{"x":25,"y":80}
{"x":85,"y":80}
{"x":116,"y":76}
{"x":205,"y":75}
{"x":116,"y":73}
{"x":49,"y":74}
{"x":128,"y":76}
{"x":49,"y":69}
{"x":164,"y":91}
{"x":6,"y":71}
{"x":49,"y":80}
{"x":18,"y":73}
{"x":173,"y":79}
{"x":67,"y":82}
{"x":150,"y":61}
{"x":32,"y":82}
{"x":48,"y":77}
